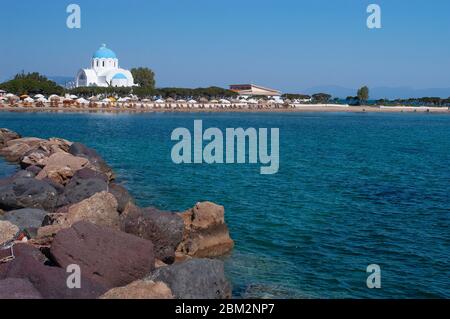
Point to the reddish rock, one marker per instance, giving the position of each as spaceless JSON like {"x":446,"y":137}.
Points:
{"x":100,"y":209}
{"x":205,"y":232}
{"x":141,"y":289}
{"x":61,"y":166}
{"x":18,"y":288}
{"x":15,"y":149}
{"x":7,"y":231}
{"x":50,"y":282}
{"x":110,"y":257}
{"x":6,"y":136}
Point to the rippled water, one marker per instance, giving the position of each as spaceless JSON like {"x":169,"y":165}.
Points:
{"x":353,"y":190}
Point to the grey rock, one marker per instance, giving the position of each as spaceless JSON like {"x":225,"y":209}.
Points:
{"x":122,"y":196}
{"x":94,"y":158}
{"x":195,"y":279}
{"x":164,"y":229}
{"x":26,"y":218}
{"x":24,"y":192}
{"x":79,"y":189}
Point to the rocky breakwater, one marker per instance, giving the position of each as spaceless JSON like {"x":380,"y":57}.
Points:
{"x":63,"y":208}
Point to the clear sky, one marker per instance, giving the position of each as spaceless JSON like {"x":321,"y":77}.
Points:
{"x":286,"y":44}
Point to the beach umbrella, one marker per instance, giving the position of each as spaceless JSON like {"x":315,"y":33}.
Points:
{"x":93,"y":98}
{"x":106,"y":100}
{"x":23,"y":97}
{"x":146,"y":100}
{"x":214,"y":101}
{"x":73,"y":97}
{"x":55,"y":98}
{"x":112,"y":99}
{"x":10,"y":95}
{"x":38,"y":96}
{"x":28,"y":100}
{"x":251,"y":101}
{"x":159,"y":101}
{"x":123,"y":99}
{"x":170,"y":100}
{"x":82,"y":101}
{"x":42,"y":100}
{"x":224,"y":101}
{"x":192,"y":102}
{"x":203,"y":100}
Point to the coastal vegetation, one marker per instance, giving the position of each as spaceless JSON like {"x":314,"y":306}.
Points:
{"x":363,"y":94}
{"x":144,"y":77}
{"x":31,"y":84}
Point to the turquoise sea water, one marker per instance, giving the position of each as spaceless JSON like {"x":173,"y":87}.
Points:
{"x":352,"y":190}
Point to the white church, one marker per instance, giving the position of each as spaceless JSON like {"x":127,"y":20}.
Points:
{"x":104,"y":71}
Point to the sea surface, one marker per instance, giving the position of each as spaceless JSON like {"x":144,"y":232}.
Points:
{"x":352,"y":190}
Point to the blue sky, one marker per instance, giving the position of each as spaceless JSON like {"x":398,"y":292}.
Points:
{"x":290,"y":45}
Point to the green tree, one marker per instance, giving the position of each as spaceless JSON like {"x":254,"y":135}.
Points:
{"x":363,"y":94}
{"x":144,"y":77}
{"x":321,"y":98}
{"x":31,"y":83}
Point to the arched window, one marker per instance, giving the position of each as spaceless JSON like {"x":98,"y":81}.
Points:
{"x":103,"y":63}
{"x":97,"y":63}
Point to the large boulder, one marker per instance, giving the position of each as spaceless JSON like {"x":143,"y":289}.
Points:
{"x":79,"y":189}
{"x":18,"y":288}
{"x":15,"y":149}
{"x":38,"y":156}
{"x":50,"y":282}
{"x":88,"y":173}
{"x":25,"y":192}
{"x":6,"y":136}
{"x":25,"y":219}
{"x":61,"y":166}
{"x":95,"y":160}
{"x":122,"y":196}
{"x":100,"y":209}
{"x":195,"y":279}
{"x":164,"y":229}
{"x":7,"y":231}
{"x":140,"y":289}
{"x":205,"y":232}
{"x":110,"y":257}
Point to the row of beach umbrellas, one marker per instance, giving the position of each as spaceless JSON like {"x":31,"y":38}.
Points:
{"x":81,"y":100}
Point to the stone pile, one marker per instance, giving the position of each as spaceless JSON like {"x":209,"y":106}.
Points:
{"x":63,"y":208}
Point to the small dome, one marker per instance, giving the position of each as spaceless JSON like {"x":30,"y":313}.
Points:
{"x":104,"y":53}
{"x":119,"y":76}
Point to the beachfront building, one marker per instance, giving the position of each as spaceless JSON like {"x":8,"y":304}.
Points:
{"x":249,"y":90}
{"x":104,"y":71}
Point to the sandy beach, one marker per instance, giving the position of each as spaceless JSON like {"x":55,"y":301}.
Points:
{"x":144,"y":108}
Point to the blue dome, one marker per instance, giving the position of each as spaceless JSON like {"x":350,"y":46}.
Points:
{"x":104,"y":53}
{"x":119,"y":76}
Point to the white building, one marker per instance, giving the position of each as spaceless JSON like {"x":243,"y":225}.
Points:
{"x":249,"y":90}
{"x":104,"y":71}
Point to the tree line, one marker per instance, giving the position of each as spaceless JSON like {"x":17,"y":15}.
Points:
{"x":35,"y":83}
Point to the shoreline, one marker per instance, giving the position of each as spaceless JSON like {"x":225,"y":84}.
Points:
{"x":228,"y":109}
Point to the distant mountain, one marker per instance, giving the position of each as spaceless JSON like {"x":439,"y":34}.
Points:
{"x":61,"y":80}
{"x":382,"y":92}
